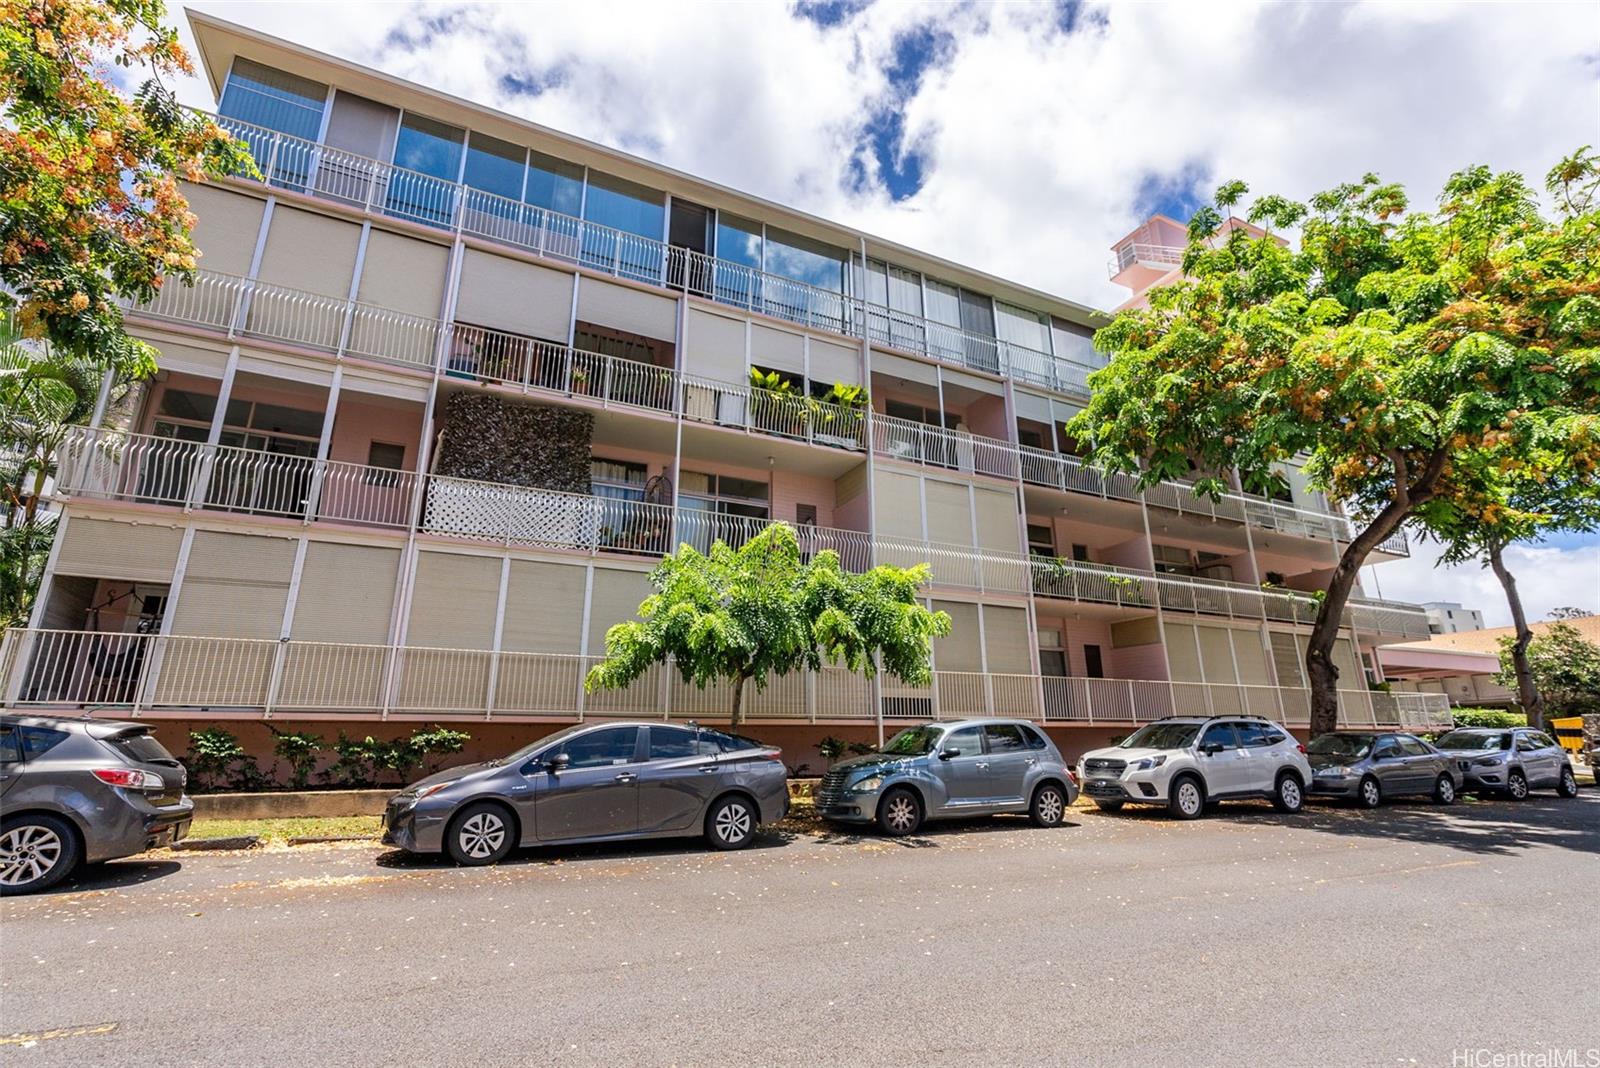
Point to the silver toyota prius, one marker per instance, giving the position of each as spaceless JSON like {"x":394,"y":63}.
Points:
{"x":595,"y":783}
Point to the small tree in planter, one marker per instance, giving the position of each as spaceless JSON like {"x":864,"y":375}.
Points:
{"x":743,"y":615}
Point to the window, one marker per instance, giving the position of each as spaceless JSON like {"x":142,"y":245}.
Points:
{"x":1411,"y":746}
{"x":1527,"y":743}
{"x":1093,"y":667}
{"x":1173,"y":560}
{"x":1252,"y":735}
{"x":967,"y":740}
{"x":1544,"y":741}
{"x":618,"y":479}
{"x":495,"y":166}
{"x":917,"y":414}
{"x":721,"y":507}
{"x":432,"y":149}
{"x":554,"y":184}
{"x":1386,"y":749}
{"x":632,"y":209}
{"x":1220,"y":734}
{"x":714,"y":742}
{"x":274,"y":99}
{"x":1080,"y":553}
{"x":1004,"y":738}
{"x":671,"y":743}
{"x":805,"y":515}
{"x":1033,"y":738}
{"x":387,"y":456}
{"x":601,"y":748}
{"x":805,"y":260}
{"x":10,"y":745}
{"x":1041,"y":540}
{"x":37,"y":741}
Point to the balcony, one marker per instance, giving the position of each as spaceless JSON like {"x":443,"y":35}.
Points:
{"x":1157,"y":258}
{"x":936,"y":446}
{"x":376,"y":187}
{"x":169,"y":675}
{"x":112,"y":465}
{"x":1075,"y":580}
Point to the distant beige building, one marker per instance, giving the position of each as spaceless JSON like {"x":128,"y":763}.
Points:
{"x":1449,"y":617}
{"x":1462,"y":665}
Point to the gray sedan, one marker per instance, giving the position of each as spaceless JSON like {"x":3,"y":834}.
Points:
{"x":595,"y":783}
{"x":1370,"y":766}
{"x":77,"y":791}
{"x":941,"y":770}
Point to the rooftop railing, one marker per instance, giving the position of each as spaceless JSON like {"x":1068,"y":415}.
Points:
{"x":140,"y":674}
{"x":305,"y":166}
{"x":1125,"y":256}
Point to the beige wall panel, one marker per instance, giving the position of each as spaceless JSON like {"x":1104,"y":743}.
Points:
{"x":544,"y":607}
{"x":453,"y":602}
{"x":958,"y":651}
{"x":715,"y":347}
{"x":1005,"y":636}
{"x":311,"y":252}
{"x":228,"y":226}
{"x":101,"y":548}
{"x":507,"y":294}
{"x":949,"y":512}
{"x":346,"y":593}
{"x":898,"y":503}
{"x":614,"y":598}
{"x":997,"y":520}
{"x":833,"y":363}
{"x":623,"y":308}
{"x":778,"y":349}
{"x":404,"y":274}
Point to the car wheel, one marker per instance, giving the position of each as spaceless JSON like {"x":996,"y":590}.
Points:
{"x":900,"y":812}
{"x":1187,"y":800}
{"x":1049,"y":806}
{"x":1444,"y":791}
{"x":731,"y":823}
{"x":1289,"y":796}
{"x":1568,"y":786}
{"x":1517,"y":785}
{"x":480,"y":834}
{"x":1109,"y":806}
{"x":36,"y":852}
{"x":1369,"y":794}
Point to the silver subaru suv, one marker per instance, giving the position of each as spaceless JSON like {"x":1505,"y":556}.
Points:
{"x":974,"y":767}
{"x":1189,"y":762}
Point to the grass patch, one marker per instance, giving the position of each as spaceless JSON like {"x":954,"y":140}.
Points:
{"x":278,"y":830}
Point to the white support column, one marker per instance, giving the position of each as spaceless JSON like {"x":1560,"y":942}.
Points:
{"x":583,"y":635}
{"x":875,"y":686}
{"x":354,"y":290}
{"x":208,"y":456}
{"x":681,"y":361}
{"x":279,"y":654}
{"x":102,"y":399}
{"x":499,"y":629}
{"x":319,"y":467}
{"x":983,"y":663}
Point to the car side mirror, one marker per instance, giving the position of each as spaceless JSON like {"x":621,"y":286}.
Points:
{"x":946,"y":754}
{"x":557,"y":762}
{"x":1211,"y":748}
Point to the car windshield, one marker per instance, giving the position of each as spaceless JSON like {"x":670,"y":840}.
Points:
{"x":1341,"y":745}
{"x":913,"y":741}
{"x":1161,"y":736}
{"x":533,"y":747}
{"x":1468,"y":740}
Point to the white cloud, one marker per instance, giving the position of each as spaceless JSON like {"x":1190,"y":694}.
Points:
{"x":1546,"y":577}
{"x":1036,"y":141}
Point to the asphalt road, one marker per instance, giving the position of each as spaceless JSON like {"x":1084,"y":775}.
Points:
{"x":1336,"y":937}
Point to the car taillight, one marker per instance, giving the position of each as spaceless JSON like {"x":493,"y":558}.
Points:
{"x":1301,"y":746}
{"x":774,"y":754}
{"x":130,"y":778}
{"x":1073,"y":775}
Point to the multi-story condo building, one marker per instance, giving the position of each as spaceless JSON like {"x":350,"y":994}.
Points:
{"x":450,"y":383}
{"x":1449,"y":617}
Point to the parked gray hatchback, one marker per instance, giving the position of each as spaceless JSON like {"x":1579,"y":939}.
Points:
{"x":79,"y":791}
{"x":941,"y":770}
{"x":595,"y":783}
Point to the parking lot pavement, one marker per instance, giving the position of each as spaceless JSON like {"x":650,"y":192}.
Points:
{"x":1335,"y":937}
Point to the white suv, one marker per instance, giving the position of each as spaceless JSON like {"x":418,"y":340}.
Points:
{"x":1188,"y":762}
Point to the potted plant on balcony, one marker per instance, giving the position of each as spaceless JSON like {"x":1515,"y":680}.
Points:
{"x":776,"y":406}
{"x":843,"y":419}
{"x":580,"y":381}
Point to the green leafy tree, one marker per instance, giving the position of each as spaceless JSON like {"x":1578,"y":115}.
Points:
{"x":214,"y":757}
{"x":1565,"y":667}
{"x":1385,"y":350}
{"x":90,"y":208}
{"x":743,"y":615}
{"x":1533,"y":475}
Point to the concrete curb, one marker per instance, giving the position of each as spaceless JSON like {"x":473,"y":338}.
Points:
{"x":201,"y":845}
{"x":290,"y":804}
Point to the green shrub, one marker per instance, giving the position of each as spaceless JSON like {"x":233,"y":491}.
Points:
{"x":1488,"y":717}
{"x":831,"y":748}
{"x":354,"y":761}
{"x":217,"y":760}
{"x":299,"y":750}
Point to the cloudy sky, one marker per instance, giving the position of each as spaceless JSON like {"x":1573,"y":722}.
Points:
{"x":1024,"y":139}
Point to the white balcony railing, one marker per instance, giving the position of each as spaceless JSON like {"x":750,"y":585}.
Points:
{"x":1125,"y":256}
{"x":935,"y":446}
{"x":112,"y":465}
{"x":171,"y":674}
{"x":372,"y":185}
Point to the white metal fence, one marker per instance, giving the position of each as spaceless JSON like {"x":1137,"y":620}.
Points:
{"x":173,"y":673}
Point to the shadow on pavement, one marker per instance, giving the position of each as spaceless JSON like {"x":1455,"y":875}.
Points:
{"x":113,"y":875}
{"x":928,"y":836}
{"x":1487,"y":828}
{"x":640,"y":848}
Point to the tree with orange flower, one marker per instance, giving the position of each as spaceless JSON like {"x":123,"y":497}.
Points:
{"x":90,"y":210}
{"x":1396,"y":352}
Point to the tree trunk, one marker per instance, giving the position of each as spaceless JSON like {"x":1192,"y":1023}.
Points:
{"x":738,"y":701}
{"x":1527,"y":692}
{"x":1321,"y":671}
